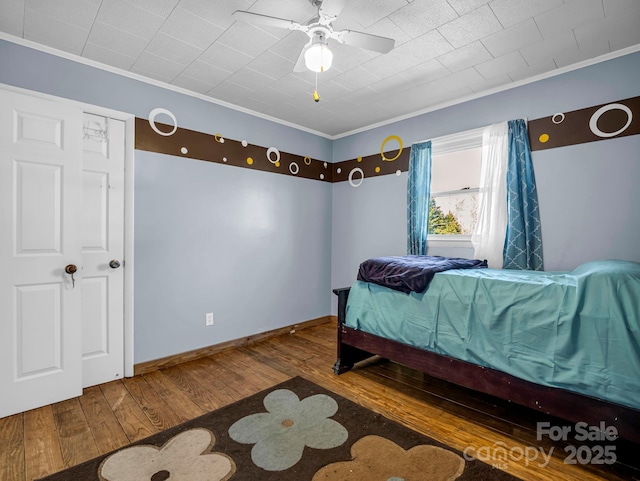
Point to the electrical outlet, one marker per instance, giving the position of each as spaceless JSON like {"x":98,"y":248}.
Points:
{"x":208,"y":320}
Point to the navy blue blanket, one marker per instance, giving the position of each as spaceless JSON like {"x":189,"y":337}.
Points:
{"x":410,"y":273}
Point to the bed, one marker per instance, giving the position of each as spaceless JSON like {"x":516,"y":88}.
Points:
{"x":563,"y":343}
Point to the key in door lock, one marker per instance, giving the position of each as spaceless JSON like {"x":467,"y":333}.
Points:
{"x":71,"y":269}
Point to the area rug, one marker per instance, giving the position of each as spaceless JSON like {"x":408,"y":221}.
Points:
{"x":295,"y":431}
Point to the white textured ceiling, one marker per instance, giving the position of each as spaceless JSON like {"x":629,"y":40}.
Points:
{"x":445,"y":49}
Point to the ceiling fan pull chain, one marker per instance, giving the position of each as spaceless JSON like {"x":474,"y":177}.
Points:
{"x":316,"y":95}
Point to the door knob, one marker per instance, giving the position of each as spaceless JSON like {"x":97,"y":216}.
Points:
{"x":114,"y":264}
{"x":71,"y":269}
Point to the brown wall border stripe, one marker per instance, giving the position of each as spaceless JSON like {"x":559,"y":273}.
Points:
{"x":215,"y":148}
{"x":601,"y":122}
{"x":372,"y":166}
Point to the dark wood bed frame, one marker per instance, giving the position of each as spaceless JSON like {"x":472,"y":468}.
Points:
{"x":355,"y":346}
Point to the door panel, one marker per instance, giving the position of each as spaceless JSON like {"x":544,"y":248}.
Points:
{"x":38,"y":309}
{"x":33,"y":127}
{"x":102,"y":242}
{"x":95,"y":339}
{"x":37,"y":200}
{"x":40,"y":199}
{"x":95,"y":211}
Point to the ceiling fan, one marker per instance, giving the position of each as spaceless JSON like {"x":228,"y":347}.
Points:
{"x":316,"y":55}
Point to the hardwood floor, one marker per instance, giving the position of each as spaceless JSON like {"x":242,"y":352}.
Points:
{"x":45,"y":440}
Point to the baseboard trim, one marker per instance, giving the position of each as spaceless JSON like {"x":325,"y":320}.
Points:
{"x":149,"y":366}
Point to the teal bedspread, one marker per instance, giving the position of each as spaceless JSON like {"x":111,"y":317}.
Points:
{"x":576,"y":330}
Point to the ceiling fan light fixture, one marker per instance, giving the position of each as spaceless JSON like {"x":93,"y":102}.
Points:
{"x":318,"y":57}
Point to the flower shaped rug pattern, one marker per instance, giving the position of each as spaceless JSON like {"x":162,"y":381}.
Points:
{"x":374,"y":457}
{"x":281,"y":434}
{"x":185,"y":457}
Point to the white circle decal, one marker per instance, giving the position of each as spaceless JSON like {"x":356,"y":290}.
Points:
{"x":353,"y":184}
{"x":593,"y":123}
{"x":273,"y":150}
{"x":559,"y":119}
{"x":291,"y":168}
{"x":152,"y":121}
{"x":184,"y":150}
{"x":244,"y":143}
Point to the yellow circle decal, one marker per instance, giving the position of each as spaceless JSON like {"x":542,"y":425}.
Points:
{"x":543,"y":138}
{"x":359,"y":159}
{"x":307,"y":160}
{"x":377,"y":170}
{"x":277,"y":164}
{"x":218,"y":138}
{"x":384,"y":142}
{"x":249,"y":161}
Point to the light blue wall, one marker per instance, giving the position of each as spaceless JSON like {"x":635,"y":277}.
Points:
{"x":252,"y":247}
{"x":588,"y":193}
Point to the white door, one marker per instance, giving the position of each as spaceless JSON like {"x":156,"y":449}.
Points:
{"x":40,"y":208}
{"x":102,"y":230}
{"x":61,"y":205}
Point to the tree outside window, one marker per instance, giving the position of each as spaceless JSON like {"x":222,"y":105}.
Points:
{"x":441,"y":223}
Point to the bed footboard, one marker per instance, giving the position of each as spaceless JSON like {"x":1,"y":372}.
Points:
{"x":348,"y":355}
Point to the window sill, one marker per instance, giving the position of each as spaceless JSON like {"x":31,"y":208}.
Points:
{"x":440,"y":240}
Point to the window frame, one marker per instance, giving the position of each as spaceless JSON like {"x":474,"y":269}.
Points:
{"x":446,"y":144}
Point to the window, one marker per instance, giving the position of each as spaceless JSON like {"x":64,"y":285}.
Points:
{"x":455,"y":177}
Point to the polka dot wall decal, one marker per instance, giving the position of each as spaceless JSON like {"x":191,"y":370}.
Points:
{"x":351,"y":181}
{"x":557,"y":118}
{"x":219,"y":138}
{"x":152,"y":121}
{"x":249,"y":161}
{"x":398,"y":172}
{"x":184,"y":150}
{"x":273,"y":155}
{"x":377,"y":170}
{"x":359,"y":159}
{"x":325,"y":165}
{"x":384,"y":142}
{"x":338,"y":170}
{"x":307,"y":160}
{"x":294,"y":168}
{"x":244,"y":143}
{"x":224,"y":159}
{"x":277,"y":164}
{"x":544,"y":138}
{"x":321,"y":176}
{"x":593,"y":122}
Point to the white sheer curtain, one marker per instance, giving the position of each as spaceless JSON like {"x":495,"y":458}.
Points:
{"x":489,"y":234}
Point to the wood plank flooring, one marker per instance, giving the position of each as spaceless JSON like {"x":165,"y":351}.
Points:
{"x":45,"y":440}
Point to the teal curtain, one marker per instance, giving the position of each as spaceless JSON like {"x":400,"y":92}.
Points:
{"x":418,"y":196}
{"x":523,"y":242}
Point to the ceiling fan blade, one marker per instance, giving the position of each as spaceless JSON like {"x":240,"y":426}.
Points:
{"x":301,"y":66}
{"x":331,"y":8}
{"x":365,"y":40}
{"x":260,"y":19}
